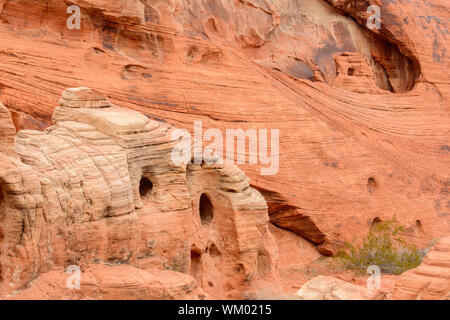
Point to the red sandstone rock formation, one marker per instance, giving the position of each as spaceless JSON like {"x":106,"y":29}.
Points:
{"x":363,"y":114}
{"x":329,"y":288}
{"x":99,"y":187}
{"x":429,"y":281}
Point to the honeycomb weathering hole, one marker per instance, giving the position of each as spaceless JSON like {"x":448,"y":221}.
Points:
{"x":371,"y":185}
{"x":263,"y":263}
{"x":206,"y":209}
{"x":419,"y":225}
{"x":145,"y":188}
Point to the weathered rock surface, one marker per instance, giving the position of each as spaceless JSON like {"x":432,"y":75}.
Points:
{"x":99,"y":186}
{"x":330,"y":288}
{"x":113,"y":283}
{"x":267,"y":64}
{"x":429,"y":281}
{"x":363,"y":114}
{"x":294,"y":253}
{"x":7,"y":131}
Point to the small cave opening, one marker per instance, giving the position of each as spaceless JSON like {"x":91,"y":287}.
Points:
{"x":206,"y":210}
{"x":351,"y":71}
{"x":145,"y":188}
{"x":2,"y":212}
{"x":196,"y":266}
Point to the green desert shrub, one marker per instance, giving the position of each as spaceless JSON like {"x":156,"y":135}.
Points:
{"x":383,"y":247}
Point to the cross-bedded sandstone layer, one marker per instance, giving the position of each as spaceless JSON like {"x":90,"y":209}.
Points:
{"x":99,"y":188}
{"x":429,"y":281}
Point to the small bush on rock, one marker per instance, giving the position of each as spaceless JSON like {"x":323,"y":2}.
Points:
{"x":383,"y":247}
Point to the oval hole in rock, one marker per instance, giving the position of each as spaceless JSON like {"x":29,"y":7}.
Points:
{"x":206,"y":209}
{"x":351,"y":71}
{"x":371,"y":185}
{"x":145,"y":188}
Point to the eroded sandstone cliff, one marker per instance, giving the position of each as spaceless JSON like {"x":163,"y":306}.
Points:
{"x":363,"y":116}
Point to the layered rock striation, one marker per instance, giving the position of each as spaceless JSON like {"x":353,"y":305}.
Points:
{"x":99,"y":188}
{"x":429,"y":281}
{"x":362,"y":113}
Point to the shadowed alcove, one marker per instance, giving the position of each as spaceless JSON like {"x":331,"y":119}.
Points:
{"x":206,"y":209}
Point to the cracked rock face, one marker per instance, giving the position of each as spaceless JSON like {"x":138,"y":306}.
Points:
{"x":98,"y":190}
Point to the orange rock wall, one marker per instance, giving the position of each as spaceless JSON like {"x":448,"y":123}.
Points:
{"x":353,"y":147}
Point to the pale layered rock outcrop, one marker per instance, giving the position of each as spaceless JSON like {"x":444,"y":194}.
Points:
{"x":98,"y":189}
